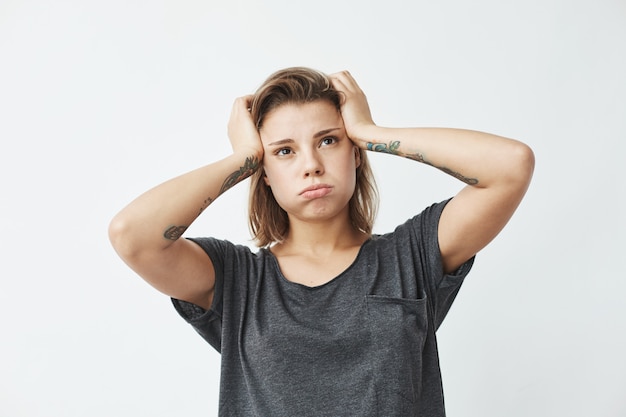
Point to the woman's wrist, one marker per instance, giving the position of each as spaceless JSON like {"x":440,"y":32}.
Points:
{"x":365,"y":135}
{"x":244,"y":164}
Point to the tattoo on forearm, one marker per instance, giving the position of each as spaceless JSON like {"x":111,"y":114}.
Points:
{"x":174,"y":232}
{"x":418,"y":157}
{"x":459,"y":176}
{"x":206,"y":203}
{"x":250,"y":165}
{"x":393,"y":147}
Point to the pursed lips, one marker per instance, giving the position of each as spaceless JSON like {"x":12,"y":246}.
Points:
{"x":316,"y":191}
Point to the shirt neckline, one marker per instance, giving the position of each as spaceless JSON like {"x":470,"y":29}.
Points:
{"x":337,"y":278}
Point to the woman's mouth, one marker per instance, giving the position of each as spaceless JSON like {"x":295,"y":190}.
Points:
{"x":316,"y":191}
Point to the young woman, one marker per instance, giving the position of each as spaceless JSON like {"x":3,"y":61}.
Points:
{"x":325,"y":319}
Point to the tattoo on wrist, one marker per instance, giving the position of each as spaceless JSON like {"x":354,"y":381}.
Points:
{"x":393,"y":147}
{"x":174,"y":232}
{"x":249,"y":167}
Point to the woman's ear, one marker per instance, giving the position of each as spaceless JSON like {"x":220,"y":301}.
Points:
{"x":267,"y":182}
{"x":357,"y":156}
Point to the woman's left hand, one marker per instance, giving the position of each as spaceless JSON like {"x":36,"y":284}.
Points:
{"x":354,"y":108}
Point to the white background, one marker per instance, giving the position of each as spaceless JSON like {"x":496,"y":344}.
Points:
{"x":101,"y":100}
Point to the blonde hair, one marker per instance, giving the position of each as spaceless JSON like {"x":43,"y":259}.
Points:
{"x":268,"y":222}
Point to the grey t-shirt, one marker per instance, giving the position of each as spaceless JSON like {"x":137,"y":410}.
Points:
{"x":360,"y":345}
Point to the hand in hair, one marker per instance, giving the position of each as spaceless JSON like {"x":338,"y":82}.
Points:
{"x":242,"y":132}
{"x":354,"y":107}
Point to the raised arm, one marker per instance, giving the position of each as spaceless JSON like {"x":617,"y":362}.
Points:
{"x":497,"y":171}
{"x":146,"y":233}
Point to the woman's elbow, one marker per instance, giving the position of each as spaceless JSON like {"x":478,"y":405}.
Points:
{"x":120,"y":234}
{"x":520,"y":164}
{"x":526,"y":161}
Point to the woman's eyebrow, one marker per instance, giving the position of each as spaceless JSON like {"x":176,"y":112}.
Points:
{"x":325,"y":132}
{"x":317,"y":135}
{"x":281,"y":142}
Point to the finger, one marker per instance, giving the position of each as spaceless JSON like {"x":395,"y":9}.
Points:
{"x":336,"y":82}
{"x":243,"y":102}
{"x":341,"y":74}
{"x":346,"y":81}
{"x":339,"y":80}
{"x":248,"y":101}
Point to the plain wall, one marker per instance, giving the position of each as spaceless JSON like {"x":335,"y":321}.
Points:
{"x":100,"y":101}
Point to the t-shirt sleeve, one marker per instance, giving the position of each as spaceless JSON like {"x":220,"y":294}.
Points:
{"x":441,"y":289}
{"x":208,"y":323}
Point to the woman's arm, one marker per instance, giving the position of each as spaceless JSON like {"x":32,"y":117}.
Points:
{"x":146,"y":233}
{"x":497,"y":171}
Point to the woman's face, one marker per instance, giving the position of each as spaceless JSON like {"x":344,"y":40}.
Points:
{"x":309,"y":161}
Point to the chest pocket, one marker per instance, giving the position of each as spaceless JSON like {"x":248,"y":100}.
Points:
{"x":398,"y":328}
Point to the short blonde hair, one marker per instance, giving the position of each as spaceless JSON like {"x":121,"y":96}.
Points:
{"x":268,"y":222}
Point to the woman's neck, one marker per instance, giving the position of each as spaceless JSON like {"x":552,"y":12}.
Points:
{"x":320,"y":237}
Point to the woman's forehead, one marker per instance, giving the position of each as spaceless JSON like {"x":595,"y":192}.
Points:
{"x":298,"y":119}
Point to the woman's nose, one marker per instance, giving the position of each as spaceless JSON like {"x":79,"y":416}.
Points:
{"x":313,"y":165}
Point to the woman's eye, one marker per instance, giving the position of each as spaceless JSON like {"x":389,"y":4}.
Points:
{"x":329,"y":140}
{"x":283,"y":151}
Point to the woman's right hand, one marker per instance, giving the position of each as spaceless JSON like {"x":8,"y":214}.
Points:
{"x":355,"y":110}
{"x":242,"y":132}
